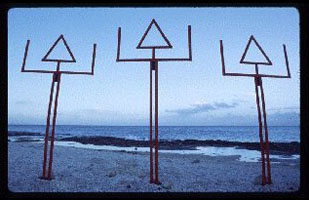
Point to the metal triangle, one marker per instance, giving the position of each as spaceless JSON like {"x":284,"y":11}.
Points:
{"x":243,"y":61}
{"x":46,"y":59}
{"x":153,"y":21}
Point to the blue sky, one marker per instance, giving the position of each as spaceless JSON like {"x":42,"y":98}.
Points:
{"x":190,"y":93}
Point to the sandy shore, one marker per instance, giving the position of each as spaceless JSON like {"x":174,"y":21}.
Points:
{"x":89,"y":170}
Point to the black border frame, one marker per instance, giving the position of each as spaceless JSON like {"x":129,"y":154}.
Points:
{"x":302,"y":193}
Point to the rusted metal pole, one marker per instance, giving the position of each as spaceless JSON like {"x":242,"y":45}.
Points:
{"x":57,"y":79}
{"x":257,"y":83}
{"x":47,"y":127}
{"x":260,"y":130}
{"x":156,"y":125}
{"x":154,"y":67}
{"x":25,"y":56}
{"x":266,"y":134}
{"x":150,"y":127}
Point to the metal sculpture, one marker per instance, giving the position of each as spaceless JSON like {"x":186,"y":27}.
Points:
{"x":154,"y":67}
{"x":56,"y":79}
{"x":258,"y":84}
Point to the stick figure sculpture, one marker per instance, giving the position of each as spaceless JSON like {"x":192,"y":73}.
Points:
{"x":56,"y":79}
{"x":258,"y":84}
{"x":154,"y":67}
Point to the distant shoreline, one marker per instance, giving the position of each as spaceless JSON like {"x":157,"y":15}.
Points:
{"x":276,"y":148}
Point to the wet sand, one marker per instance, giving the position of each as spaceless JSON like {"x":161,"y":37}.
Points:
{"x":275,"y":148}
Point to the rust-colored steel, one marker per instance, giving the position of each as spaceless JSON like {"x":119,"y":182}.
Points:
{"x":156,"y":125}
{"x":156,"y":47}
{"x":260,"y":48}
{"x":224,"y":73}
{"x":47,"y":127}
{"x":150,"y":127}
{"x":25,"y":56}
{"x":51,"y":155}
{"x":154,"y":67}
{"x":266,"y":133}
{"x":56,"y":78}
{"x":169,"y":46}
{"x":258,"y":83}
{"x":60,"y":71}
{"x":256,"y":80}
{"x":46,"y":59}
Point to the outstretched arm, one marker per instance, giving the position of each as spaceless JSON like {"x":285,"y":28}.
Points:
{"x":92,"y":64}
{"x":286,"y":62}
{"x":254,"y":75}
{"x":51,"y":71}
{"x":189,"y":50}
{"x":127,"y":59}
{"x":150,"y":59}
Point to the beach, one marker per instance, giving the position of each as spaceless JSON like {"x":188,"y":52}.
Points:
{"x":100,"y":170}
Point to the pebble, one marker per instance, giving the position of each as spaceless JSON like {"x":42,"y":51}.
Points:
{"x":141,"y":175}
{"x":196,"y":161}
{"x":258,"y":180}
{"x":112,"y":174}
{"x":167,"y":185}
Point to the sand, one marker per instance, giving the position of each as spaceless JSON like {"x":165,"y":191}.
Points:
{"x":89,"y":170}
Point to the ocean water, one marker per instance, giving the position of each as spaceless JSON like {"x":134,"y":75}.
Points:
{"x":284,"y":134}
{"x":245,"y":155}
{"x":225,"y":133}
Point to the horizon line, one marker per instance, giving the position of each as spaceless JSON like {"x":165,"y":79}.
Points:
{"x":159,"y":125}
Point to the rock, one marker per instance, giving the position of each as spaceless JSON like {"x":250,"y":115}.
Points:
{"x":112,"y":174}
{"x":141,"y":175}
{"x":135,"y":148}
{"x":195,"y":161}
{"x":167,"y":185}
{"x":258,"y":180}
{"x":128,"y":186}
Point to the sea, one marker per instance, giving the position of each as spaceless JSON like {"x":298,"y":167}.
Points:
{"x":279,"y":134}
{"x":284,"y":134}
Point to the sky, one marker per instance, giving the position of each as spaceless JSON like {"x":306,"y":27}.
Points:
{"x":190,"y":93}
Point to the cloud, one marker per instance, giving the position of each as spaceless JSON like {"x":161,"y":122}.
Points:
{"x":225,"y":105}
{"x":232,"y":119}
{"x":201,"y":108}
{"x":285,"y":108}
{"x":110,"y":118}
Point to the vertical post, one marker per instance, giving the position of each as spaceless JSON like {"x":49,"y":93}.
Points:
{"x":260,"y":129}
{"x":156,"y":124}
{"x":257,"y":83}
{"x":266,"y":134}
{"x":47,"y":127}
{"x":57,"y":77}
{"x":150,"y":126}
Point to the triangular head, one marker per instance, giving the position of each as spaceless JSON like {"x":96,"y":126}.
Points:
{"x":69,"y":54}
{"x":264,"y":60}
{"x":166,"y":41}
